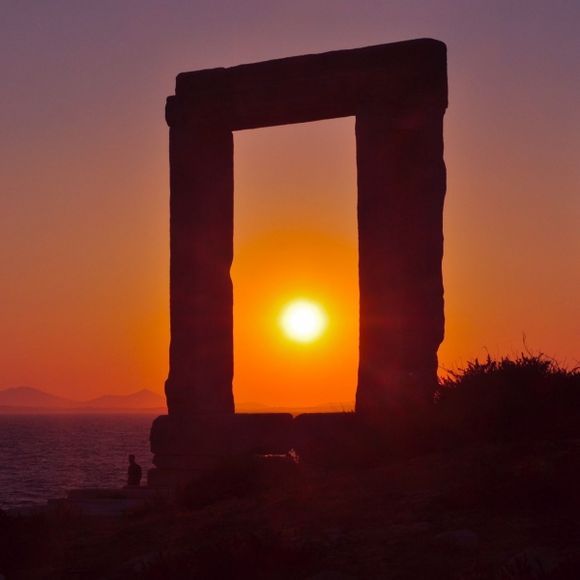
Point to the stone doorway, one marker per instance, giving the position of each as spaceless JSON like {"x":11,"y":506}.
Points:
{"x":398,"y":94}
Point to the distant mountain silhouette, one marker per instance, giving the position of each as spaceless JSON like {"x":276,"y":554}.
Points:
{"x":32,"y":400}
{"x":31,"y":397}
{"x":142,"y":399}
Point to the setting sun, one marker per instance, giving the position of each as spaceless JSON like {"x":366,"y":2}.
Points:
{"x":303,"y":320}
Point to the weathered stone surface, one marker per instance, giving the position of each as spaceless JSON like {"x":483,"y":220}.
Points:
{"x":312,"y":87}
{"x":398,"y":93}
{"x":201,"y":351}
{"x":326,"y":438}
{"x":170,"y":478}
{"x":401,"y":188}
{"x":221,"y":435}
{"x":186,"y":461}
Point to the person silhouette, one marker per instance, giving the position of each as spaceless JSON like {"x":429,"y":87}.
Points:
{"x":133,"y":473}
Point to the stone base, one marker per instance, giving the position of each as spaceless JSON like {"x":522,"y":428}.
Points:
{"x":105,"y":502}
{"x":338,"y":439}
{"x":186,"y":448}
{"x":171,"y":479}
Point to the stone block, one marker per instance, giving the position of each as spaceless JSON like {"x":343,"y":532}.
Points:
{"x":222,"y":434}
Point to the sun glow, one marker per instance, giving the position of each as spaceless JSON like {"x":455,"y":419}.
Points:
{"x":303,"y":320}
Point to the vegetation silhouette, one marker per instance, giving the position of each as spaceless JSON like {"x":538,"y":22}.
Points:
{"x":529,"y":397}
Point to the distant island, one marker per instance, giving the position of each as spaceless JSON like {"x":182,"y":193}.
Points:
{"x":23,"y":400}
{"x":29,"y":400}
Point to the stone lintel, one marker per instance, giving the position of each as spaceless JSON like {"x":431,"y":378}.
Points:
{"x":312,"y":87}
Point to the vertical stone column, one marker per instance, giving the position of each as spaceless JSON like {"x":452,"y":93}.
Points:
{"x":401,"y":188}
{"x":201,"y":297}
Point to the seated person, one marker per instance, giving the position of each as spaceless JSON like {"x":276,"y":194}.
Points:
{"x":133,"y":473}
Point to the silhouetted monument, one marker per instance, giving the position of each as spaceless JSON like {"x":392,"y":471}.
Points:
{"x":398,"y":94}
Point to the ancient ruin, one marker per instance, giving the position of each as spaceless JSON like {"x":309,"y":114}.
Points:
{"x":398,"y":94}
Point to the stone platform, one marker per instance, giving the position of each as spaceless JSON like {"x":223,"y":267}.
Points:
{"x":105,"y":502}
{"x":184,"y":450}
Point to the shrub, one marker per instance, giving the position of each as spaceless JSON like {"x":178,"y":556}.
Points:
{"x":528,"y":397}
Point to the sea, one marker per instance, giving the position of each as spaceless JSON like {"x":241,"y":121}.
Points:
{"x":43,"y":456}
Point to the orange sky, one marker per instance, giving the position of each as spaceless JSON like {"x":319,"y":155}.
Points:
{"x":84,"y":189}
{"x":295,"y":235}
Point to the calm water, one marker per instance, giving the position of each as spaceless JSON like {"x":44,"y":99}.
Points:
{"x":43,"y":456}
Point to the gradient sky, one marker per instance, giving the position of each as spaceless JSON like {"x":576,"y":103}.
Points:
{"x":84,"y":188}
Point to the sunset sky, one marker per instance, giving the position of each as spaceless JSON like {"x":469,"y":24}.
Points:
{"x":84,"y":230}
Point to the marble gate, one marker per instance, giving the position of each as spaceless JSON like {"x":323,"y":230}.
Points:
{"x":398,"y":95}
